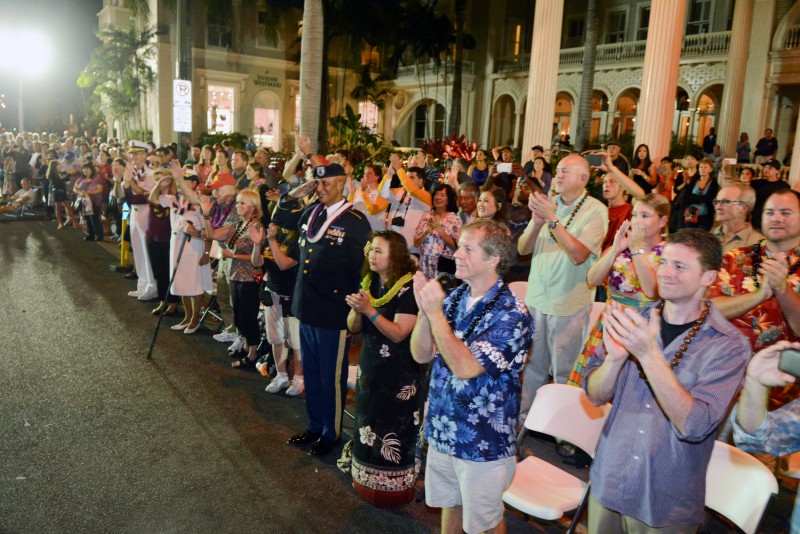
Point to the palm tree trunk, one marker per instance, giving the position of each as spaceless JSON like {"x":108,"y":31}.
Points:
{"x":454,"y":121}
{"x":584,"y":126}
{"x":324,"y":100}
{"x":311,"y":70}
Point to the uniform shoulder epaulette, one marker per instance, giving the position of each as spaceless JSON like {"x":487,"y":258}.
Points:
{"x":356,"y":213}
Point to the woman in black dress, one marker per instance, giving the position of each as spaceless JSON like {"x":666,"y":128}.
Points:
{"x":389,"y":392}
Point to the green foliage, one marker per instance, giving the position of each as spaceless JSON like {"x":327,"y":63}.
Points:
{"x":141,"y":135}
{"x":678,"y":149}
{"x":119,"y":71}
{"x":363,"y":145}
{"x":371,"y":89}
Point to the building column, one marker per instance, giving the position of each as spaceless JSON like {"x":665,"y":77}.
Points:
{"x":660,"y":77}
{"x":542,"y":75}
{"x":794,"y":170}
{"x":730,"y":115}
{"x":754,"y":101}
{"x":517,"y":124}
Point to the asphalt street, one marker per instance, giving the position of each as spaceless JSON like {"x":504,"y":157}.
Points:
{"x":96,"y":438}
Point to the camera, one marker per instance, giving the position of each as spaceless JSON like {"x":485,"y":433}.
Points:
{"x":398,"y":221}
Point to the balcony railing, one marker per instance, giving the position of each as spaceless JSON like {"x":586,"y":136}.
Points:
{"x":706,"y":44}
{"x":430,"y":69}
{"x":792,"y":39}
{"x":701,"y":45}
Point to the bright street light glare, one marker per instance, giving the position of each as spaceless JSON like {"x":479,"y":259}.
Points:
{"x":25,"y":53}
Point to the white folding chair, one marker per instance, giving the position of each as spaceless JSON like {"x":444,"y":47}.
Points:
{"x":540,"y":489}
{"x":738,"y":486}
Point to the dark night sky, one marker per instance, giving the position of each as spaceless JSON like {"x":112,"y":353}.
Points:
{"x":70,"y":26}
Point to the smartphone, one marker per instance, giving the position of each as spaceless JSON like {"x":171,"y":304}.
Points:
{"x":729,"y":161}
{"x":503,"y":167}
{"x":594,"y":160}
{"x":790,"y":362}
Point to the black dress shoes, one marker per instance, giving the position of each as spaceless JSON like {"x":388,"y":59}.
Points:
{"x":303,"y":438}
{"x":322,"y":446}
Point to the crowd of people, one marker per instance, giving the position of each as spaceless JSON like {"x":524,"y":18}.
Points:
{"x":698,"y":264}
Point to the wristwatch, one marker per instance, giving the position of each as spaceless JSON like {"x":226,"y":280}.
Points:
{"x":552,"y":224}
{"x":637,"y":252}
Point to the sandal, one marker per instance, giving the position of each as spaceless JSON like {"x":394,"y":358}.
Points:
{"x":244,"y":364}
{"x":238,"y":354}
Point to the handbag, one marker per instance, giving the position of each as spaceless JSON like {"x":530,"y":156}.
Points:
{"x":264,"y":294}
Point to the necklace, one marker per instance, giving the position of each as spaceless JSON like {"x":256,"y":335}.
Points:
{"x":757,"y":263}
{"x":239,"y":233}
{"x":690,"y":335}
{"x":572,"y":214}
{"x":456,"y":302}
{"x":326,"y":223}
{"x":366,"y":283}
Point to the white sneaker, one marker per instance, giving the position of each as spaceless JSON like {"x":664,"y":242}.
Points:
{"x":277,"y":384}
{"x":148,"y":296}
{"x":225,"y":337}
{"x":296,"y":388}
{"x":133,"y":294}
{"x":238,"y":344}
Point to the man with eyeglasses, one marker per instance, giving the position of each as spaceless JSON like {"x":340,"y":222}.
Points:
{"x":758,"y":289}
{"x":733,"y":207}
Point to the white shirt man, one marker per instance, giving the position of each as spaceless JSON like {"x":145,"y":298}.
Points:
{"x":137,"y":182}
{"x":564,"y":235}
{"x":24,"y":197}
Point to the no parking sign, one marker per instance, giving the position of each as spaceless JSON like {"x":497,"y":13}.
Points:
{"x":181,"y":105}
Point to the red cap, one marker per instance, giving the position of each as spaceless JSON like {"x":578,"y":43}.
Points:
{"x":222,"y":179}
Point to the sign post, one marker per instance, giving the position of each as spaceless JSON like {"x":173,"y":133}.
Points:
{"x":181,"y":106}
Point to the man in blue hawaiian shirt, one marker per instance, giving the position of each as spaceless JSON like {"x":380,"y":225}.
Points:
{"x":478,"y":337}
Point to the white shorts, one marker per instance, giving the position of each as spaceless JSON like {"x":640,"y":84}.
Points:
{"x":281,"y":329}
{"x":476,"y":486}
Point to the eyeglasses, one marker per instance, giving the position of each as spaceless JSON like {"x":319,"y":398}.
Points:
{"x":725,"y":201}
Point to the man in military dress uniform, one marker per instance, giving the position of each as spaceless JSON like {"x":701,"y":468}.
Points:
{"x":137,"y":183}
{"x":332,"y":240}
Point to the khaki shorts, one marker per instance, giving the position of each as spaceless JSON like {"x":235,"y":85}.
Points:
{"x":476,"y":486}
{"x":281,"y":329}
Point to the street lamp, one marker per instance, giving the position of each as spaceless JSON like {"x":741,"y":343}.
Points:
{"x":27,"y":54}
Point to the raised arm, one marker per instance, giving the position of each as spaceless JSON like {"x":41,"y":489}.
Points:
{"x":598,"y":273}
{"x":626,"y":182}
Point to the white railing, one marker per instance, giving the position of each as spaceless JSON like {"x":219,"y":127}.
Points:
{"x":431,"y":69}
{"x":702,"y":45}
{"x":706,"y":44}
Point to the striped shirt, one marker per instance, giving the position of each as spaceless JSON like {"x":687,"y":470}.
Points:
{"x":645,"y":467}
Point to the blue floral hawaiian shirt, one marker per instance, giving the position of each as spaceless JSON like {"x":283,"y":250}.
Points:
{"x":476,"y":419}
